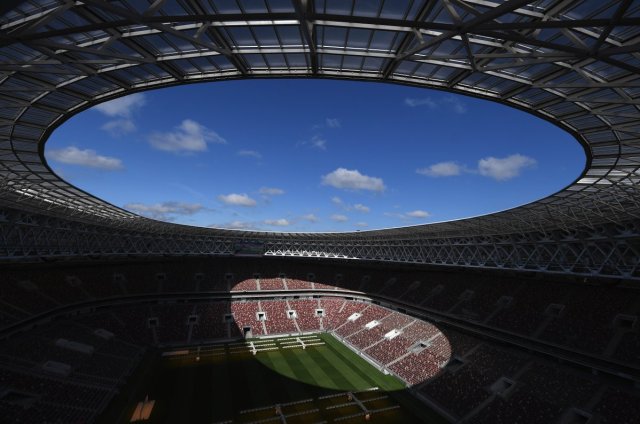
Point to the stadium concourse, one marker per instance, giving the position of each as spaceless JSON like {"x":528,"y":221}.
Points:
{"x":529,"y":315}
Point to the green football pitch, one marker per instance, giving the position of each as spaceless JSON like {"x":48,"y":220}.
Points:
{"x":281,"y":382}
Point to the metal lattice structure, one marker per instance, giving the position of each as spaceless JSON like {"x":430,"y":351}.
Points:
{"x":575,"y":63}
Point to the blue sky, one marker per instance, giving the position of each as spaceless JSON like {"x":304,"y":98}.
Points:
{"x":311,"y":155}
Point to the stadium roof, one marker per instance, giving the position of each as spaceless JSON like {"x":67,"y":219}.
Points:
{"x":573,"y":63}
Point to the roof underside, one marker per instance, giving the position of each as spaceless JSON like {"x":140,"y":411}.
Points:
{"x":574,"y":63}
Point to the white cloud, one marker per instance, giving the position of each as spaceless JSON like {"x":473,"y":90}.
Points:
{"x":417,"y":214}
{"x":362,"y":224}
{"x":361,"y":208}
{"x":395,"y":215}
{"x":358,"y":206}
{"x":455,"y":103}
{"x":236,"y":225}
{"x":250,"y":153}
{"x":441,"y":169}
{"x":277,"y":222}
{"x":352,"y":180}
{"x":339,"y":218}
{"x":310,"y":217}
{"x":271,"y":191}
{"x":318,"y":142}
{"x":122,"y":107}
{"x":239,"y":225}
{"x":164,"y":211}
{"x":431,"y":104}
{"x":333,"y":123}
{"x":89,"y":158}
{"x":420,"y":214}
{"x":330,"y":123}
{"x":119,"y":127}
{"x":237,"y":199}
{"x":189,"y":136}
{"x":502,"y":169}
{"x":452,"y":102}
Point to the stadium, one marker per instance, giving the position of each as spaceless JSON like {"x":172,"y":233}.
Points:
{"x":529,"y":315}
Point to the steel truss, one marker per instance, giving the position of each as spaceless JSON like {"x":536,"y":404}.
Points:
{"x":611,"y":251}
{"x":573,"y":63}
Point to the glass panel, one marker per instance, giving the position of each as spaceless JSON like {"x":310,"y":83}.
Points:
{"x":339,"y":7}
{"x":226,"y":6}
{"x":266,"y":36}
{"x":242,"y":36}
{"x":254,"y":6}
{"x":280,"y":6}
{"x":290,"y":35}
{"x":359,"y":38}
{"x":367,"y":8}
{"x":396,"y":9}
{"x":382,"y":40}
{"x":276,"y":60}
{"x":334,"y":36}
